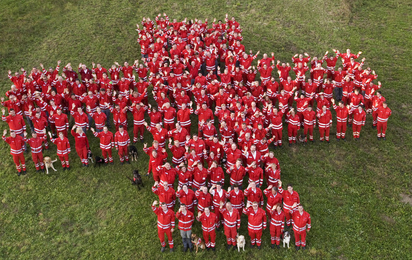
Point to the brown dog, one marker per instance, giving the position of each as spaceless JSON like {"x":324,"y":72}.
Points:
{"x":49,"y":163}
{"x":198,"y":242}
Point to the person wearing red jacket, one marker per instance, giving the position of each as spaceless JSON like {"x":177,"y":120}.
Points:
{"x":180,"y":134}
{"x":196,"y":144}
{"x":186,"y":219}
{"x":309,"y":122}
{"x":324,"y":121}
{"x":119,"y":116}
{"x":36,"y":145}
{"x":80,"y":119}
{"x":236,"y":197}
{"x":183,"y":117}
{"x":99,"y":119}
{"x":208,"y":220}
{"x":256,"y":221}
{"x":255,"y":174}
{"x":216,"y":174}
{"x":121,"y":143}
{"x":253,"y":194}
{"x":169,"y":114}
{"x":167,"y":174}
{"x":276,"y":124}
{"x":277,"y":224}
{"x":384,"y":112}
{"x":301,"y":225}
{"x":290,"y":201}
{"x":231,"y":222}
{"x":186,"y":196}
{"x":106,"y":143}
{"x":377,"y":101}
{"x":342,"y":113}
{"x":15,"y":121}
{"x":60,"y":120}
{"x":166,"y":193}
{"x":156,"y":159}
{"x":16,"y":143}
{"x":219,"y":196}
{"x":165,"y":224}
{"x":63,"y":149}
{"x":273,"y":198}
{"x":204,"y":199}
{"x":359,"y":118}
{"x":178,"y":152}
{"x":272,"y":174}
{"x":293,"y":125}
{"x":237,"y":172}
{"x":82,"y":144}
{"x":138,"y":111}
{"x":159,"y":134}
{"x":252,"y":156}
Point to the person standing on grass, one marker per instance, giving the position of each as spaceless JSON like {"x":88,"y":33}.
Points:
{"x":342,"y":113}
{"x":231,"y":222}
{"x":106,"y":143}
{"x":165,"y":224}
{"x":324,"y":121}
{"x":16,"y":143}
{"x":82,"y":144}
{"x":121,"y":142}
{"x":63,"y":149}
{"x":301,"y":225}
{"x":277,"y":224}
{"x":186,"y":219}
{"x":256,"y":221}
{"x":290,"y":201}
{"x":36,"y":145}
{"x":359,"y":118}
{"x":208,"y":220}
{"x":384,"y":112}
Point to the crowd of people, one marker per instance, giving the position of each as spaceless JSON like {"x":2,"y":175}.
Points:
{"x":202,"y":72}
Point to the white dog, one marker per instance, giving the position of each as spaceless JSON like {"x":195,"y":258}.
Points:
{"x":286,"y":238}
{"x":49,"y":163}
{"x":240,"y":240}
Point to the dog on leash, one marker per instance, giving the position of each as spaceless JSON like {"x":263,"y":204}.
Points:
{"x":49,"y":164}
{"x":133,"y":153}
{"x":197,"y":242}
{"x":98,"y":161}
{"x":137,"y":179}
{"x":286,"y":238}
{"x":241,"y":242}
{"x":90,"y":155}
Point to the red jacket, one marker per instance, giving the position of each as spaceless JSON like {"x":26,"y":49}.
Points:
{"x":16,"y":123}
{"x":301,"y":222}
{"x":166,"y":175}
{"x":121,"y":139}
{"x":384,"y":114}
{"x":36,"y":144}
{"x":167,"y":196}
{"x":341,"y":113}
{"x":217,"y":175}
{"x":39,"y":124}
{"x":187,"y":198}
{"x":99,"y":119}
{"x":289,"y":198}
{"x":203,"y":200}
{"x":199,"y":177}
{"x":106,"y":140}
{"x":236,"y":198}
{"x":159,"y":136}
{"x":81,"y":120}
{"x":256,"y":175}
{"x":165,"y":220}
{"x":254,"y":195}
{"x":230,"y":219}
{"x":169,"y":115}
{"x":272,"y":199}
{"x":61,"y":121}
{"x":63,"y":145}
{"x":80,"y":139}
{"x":277,"y":219}
{"x":16,"y":144}
{"x":218,"y":197}
{"x":358,"y":117}
{"x":183,"y":116}
{"x":325,"y":119}
{"x":185,"y":220}
{"x":208,"y":222}
{"x":256,"y":219}
{"x":236,"y":175}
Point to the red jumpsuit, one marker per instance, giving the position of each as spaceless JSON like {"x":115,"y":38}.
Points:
{"x":309,"y":122}
{"x":256,"y":221}
{"x":106,"y":145}
{"x":383,"y":116}
{"x":254,"y":196}
{"x":236,"y":198}
{"x":277,"y":128}
{"x":288,"y":200}
{"x":358,"y":121}
{"x":231,"y":222}
{"x":301,"y":223}
{"x":63,"y":150}
{"x":203,"y":200}
{"x":167,"y":196}
{"x":121,"y":142}
{"x":187,"y":198}
{"x":217,"y":198}
{"x":277,"y":224}
{"x":208,"y":227}
{"x":293,"y":127}
{"x":325,"y":121}
{"x":165,"y":223}
{"x":36,"y":145}
{"x":341,"y":118}
{"x":61,"y":122}
{"x":138,"y":120}
{"x":82,"y":144}
{"x":236,"y":175}
{"x":16,"y":150}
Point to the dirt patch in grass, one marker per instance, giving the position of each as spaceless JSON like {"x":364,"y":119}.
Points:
{"x":406,"y":199}
{"x":388,"y":219}
{"x":101,"y":214}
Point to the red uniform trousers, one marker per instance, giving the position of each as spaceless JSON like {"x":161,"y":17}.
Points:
{"x":38,"y":160}
{"x":19,"y":159}
{"x":212,"y":234}
{"x":123,"y":153}
{"x":306,"y":130}
{"x":292,"y":133}
{"x":138,"y":129}
{"x":277,"y":133}
{"x":375,"y":117}
{"x":255,"y":236}
{"x":275,"y":234}
{"x":82,"y":153}
{"x":64,"y":158}
{"x":170,"y":127}
{"x":187,"y":127}
{"x":324,"y":133}
{"x":219,"y":216}
{"x":340,"y":130}
{"x":161,"y":233}
{"x":368,"y":104}
{"x":356,"y":130}
{"x":107,"y":153}
{"x":288,"y":215}
{"x":382,"y":129}
{"x":300,"y":238}
{"x":230,"y":234}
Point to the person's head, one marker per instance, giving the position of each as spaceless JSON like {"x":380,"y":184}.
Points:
{"x":236,"y":187}
{"x":164,"y":206}
{"x":324,"y":108}
{"x":278,"y":207}
{"x":309,"y":108}
{"x":12,"y":134}
{"x":253,"y":185}
{"x":121,"y":129}
{"x":360,"y":108}
{"x":178,"y":127}
{"x":79,"y":130}
{"x":158,"y":126}
{"x":34,"y":135}
{"x":12,"y":112}
{"x":300,"y":209}
{"x":105,"y":129}
{"x":165,"y":185}
{"x":253,"y":148}
{"x":167,"y":165}
{"x":61,"y":135}
{"x":219,"y":186}
{"x":274,"y":190}
{"x":183,"y":207}
{"x":290,"y":188}
{"x":184,"y":187}
{"x":385,"y":105}
{"x":255,"y":205}
{"x":238,"y":162}
{"x":199,"y":165}
{"x":229,"y":206}
{"x":207,"y":211}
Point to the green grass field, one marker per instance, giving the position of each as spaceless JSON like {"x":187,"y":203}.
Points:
{"x":358,"y":194}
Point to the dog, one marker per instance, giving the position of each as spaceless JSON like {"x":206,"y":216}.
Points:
{"x":133,"y":153}
{"x":89,"y":155}
{"x":197,"y":242}
{"x":49,"y":163}
{"x":137,"y":179}
{"x":301,"y":138}
{"x":98,"y":161}
{"x":240,"y":241}
{"x":286,"y":238}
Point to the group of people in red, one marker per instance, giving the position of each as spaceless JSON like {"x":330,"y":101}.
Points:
{"x":194,"y":71}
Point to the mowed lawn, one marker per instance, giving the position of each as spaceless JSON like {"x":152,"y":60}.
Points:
{"x":358,"y":193}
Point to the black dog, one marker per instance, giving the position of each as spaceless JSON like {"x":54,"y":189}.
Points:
{"x":133,"y":153}
{"x":89,"y":155}
{"x":137,"y":179}
{"x":98,"y":161}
